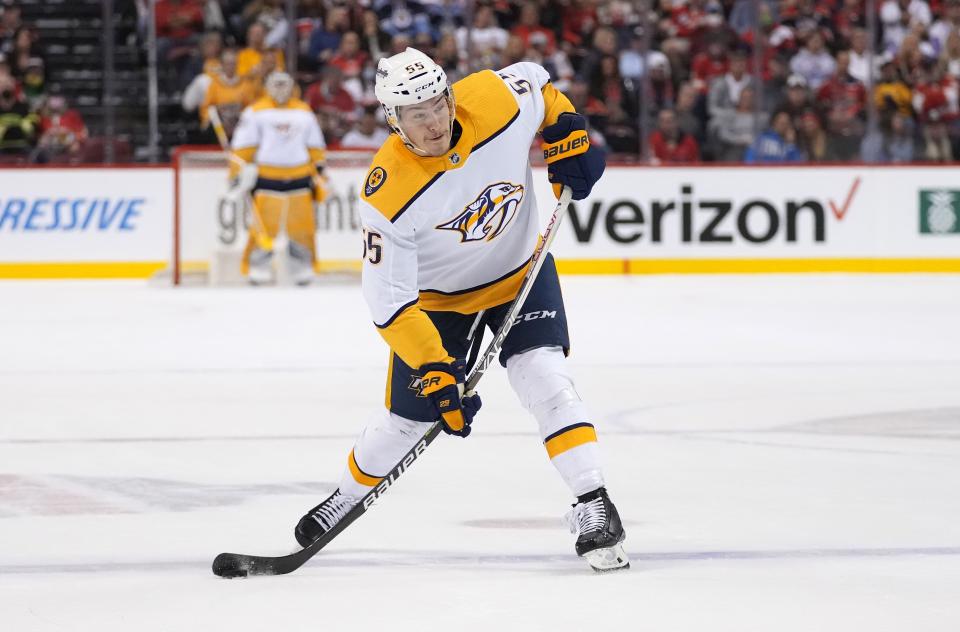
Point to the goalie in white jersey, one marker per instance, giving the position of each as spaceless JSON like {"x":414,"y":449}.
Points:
{"x":277,"y":156}
{"x":449,"y":226}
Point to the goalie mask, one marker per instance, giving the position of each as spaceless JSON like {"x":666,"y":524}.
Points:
{"x":411,"y":78}
{"x":279,"y":86}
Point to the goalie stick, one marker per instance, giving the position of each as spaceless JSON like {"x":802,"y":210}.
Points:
{"x":240,"y":565}
{"x":260,"y":234}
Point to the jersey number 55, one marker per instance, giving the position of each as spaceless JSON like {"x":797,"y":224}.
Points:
{"x":372,"y":246}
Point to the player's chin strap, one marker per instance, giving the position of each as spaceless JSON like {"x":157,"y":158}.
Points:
{"x":241,"y":565}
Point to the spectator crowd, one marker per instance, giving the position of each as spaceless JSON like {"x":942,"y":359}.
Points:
{"x":33,"y":123}
{"x":679,"y":81}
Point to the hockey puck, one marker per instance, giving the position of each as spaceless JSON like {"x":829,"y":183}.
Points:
{"x":231,"y":573}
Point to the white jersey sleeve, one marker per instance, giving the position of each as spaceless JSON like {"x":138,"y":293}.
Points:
{"x":314,"y":139}
{"x":390,"y":275}
{"x":389,"y":266}
{"x":536,"y":74}
{"x":547,"y":100}
{"x":247,"y":133}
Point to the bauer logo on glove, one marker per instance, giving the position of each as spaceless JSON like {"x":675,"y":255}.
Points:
{"x":572,"y":145}
{"x":571,"y":161}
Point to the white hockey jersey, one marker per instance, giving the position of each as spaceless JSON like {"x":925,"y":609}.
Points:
{"x":456,"y":232}
{"x":285,"y":141}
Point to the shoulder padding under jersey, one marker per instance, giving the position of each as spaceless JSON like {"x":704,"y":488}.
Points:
{"x":396,"y":178}
{"x":485,"y":100}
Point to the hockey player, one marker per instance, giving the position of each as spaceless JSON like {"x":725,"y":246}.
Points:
{"x":449,"y":226}
{"x":278,"y":157}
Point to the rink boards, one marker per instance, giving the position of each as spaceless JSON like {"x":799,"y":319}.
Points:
{"x":118,"y":222}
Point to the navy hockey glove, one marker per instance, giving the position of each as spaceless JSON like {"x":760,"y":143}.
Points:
{"x":570,"y":159}
{"x":442,"y":384}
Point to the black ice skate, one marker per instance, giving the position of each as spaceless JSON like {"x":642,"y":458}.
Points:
{"x":600,"y":533}
{"x":321,"y":518}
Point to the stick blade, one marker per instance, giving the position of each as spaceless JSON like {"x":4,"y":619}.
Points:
{"x":232,"y":565}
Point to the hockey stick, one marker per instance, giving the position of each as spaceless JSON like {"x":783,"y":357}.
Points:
{"x":239,"y":565}
{"x":261,"y":237}
{"x":218,"y":128}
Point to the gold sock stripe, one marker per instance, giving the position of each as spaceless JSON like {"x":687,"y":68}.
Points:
{"x":568,"y":438}
{"x":359,"y":475}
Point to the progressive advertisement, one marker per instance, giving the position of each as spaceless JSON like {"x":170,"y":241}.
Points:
{"x":84,"y":222}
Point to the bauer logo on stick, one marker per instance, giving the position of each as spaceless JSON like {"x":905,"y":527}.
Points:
{"x":374,"y":181}
{"x":488,"y":215}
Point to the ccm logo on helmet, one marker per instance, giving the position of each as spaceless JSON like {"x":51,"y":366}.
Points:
{"x":563,"y":148}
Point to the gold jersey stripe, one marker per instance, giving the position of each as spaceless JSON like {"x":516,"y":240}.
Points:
{"x":412,"y":335}
{"x":471,"y":301}
{"x":570,"y":438}
{"x":488,"y":103}
{"x":359,"y":475}
{"x":555,"y":103}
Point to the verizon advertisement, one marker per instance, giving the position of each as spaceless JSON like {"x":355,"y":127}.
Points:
{"x":764,"y":213}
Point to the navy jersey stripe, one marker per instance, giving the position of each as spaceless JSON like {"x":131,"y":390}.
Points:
{"x":396,"y":314}
{"x":480,"y":287}
{"x":416,"y":195}
{"x":496,"y":133}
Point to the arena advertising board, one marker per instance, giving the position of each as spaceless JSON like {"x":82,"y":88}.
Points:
{"x":84,"y":222}
{"x":89,"y":222}
{"x":737,"y":219}
{"x":212,"y":222}
{"x":768,"y":219}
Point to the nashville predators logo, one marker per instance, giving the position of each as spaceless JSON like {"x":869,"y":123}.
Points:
{"x":374,"y":181}
{"x":488,"y":215}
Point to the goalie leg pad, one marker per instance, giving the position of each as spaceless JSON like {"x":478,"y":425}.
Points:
{"x":267,"y":210}
{"x":541,"y":379}
{"x":378,"y":448}
{"x":301,"y":223}
{"x":301,"y":263}
{"x":260,"y":266}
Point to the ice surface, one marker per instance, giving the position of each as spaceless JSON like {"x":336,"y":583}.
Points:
{"x":785,"y":451}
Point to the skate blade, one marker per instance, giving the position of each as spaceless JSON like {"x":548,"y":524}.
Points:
{"x":612,"y":558}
